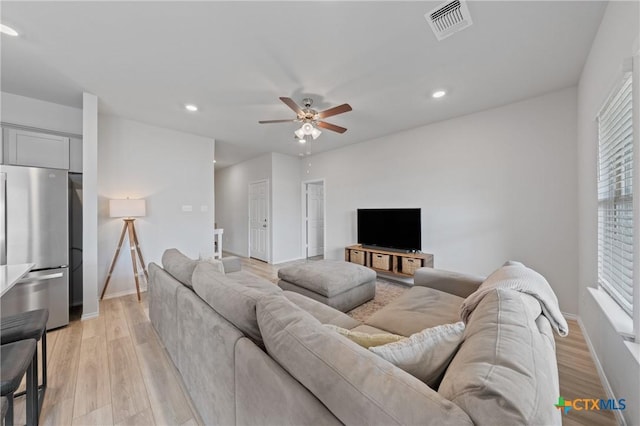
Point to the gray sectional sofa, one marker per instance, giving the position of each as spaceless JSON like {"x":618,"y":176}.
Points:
{"x":250,"y":353}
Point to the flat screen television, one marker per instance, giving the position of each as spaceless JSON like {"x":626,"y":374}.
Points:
{"x":397,"y":229}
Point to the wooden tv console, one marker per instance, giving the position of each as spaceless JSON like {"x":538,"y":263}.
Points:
{"x":391,"y":262}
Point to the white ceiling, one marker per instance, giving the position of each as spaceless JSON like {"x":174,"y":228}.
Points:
{"x":145,"y":60}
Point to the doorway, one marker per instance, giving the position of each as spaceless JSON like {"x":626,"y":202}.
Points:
{"x":259,"y":234}
{"x":314,"y":209}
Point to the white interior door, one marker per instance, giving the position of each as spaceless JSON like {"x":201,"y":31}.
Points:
{"x":259,"y":241}
{"x":315,"y":219}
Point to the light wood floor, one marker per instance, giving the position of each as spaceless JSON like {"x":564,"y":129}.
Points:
{"x":113,"y":370}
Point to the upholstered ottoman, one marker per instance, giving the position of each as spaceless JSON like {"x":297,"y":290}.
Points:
{"x":339,"y":284}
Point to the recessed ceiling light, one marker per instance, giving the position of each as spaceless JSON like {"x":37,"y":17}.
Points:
{"x":214,"y":161}
{"x":5,"y":29}
{"x":191,"y":107}
{"x":438,"y":94}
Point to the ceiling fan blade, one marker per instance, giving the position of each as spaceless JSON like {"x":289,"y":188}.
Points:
{"x":334,"y":111}
{"x":331,"y":127}
{"x":291,"y":104}
{"x":275,"y":121}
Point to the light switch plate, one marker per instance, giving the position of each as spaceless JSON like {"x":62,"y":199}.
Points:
{"x":187,"y":208}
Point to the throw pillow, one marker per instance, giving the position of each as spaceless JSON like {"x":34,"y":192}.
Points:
{"x":363,"y":339}
{"x":219,"y":266}
{"x":424,"y":355}
{"x":358,"y":387}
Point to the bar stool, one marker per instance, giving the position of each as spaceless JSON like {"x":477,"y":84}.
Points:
{"x":28,"y":325}
{"x":5,"y":407}
{"x":18,"y":358}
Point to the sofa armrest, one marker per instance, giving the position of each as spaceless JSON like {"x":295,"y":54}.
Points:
{"x":231,"y":264}
{"x":450,"y":282}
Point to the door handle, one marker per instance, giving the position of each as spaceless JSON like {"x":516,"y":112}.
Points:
{"x":40,"y":278}
{"x":264,"y":226}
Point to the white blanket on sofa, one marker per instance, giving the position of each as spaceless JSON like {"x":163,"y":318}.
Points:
{"x":516,"y":276}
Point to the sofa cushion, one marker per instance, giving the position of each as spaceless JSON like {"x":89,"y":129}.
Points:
{"x":327,"y":277}
{"x":323,"y":313}
{"x":426,"y":354}
{"x":366,"y":340}
{"x":215,"y":262}
{"x":363,"y":328}
{"x":505,"y":364}
{"x":163,"y":311}
{"x":179,"y":266}
{"x":417,"y":309}
{"x":233,"y":300}
{"x":354,"y":384}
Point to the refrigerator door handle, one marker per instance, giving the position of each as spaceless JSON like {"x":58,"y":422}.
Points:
{"x":40,"y":278}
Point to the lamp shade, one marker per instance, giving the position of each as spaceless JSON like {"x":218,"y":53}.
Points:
{"x":307,"y":128}
{"x":127,"y":208}
{"x":315,"y":133}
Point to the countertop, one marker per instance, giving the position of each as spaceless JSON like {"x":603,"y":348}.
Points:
{"x":11,"y":274}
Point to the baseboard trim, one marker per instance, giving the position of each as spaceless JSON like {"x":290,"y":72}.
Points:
{"x":603,"y":377}
{"x":92,"y":315}
{"x":230,"y":253}
{"x":567,"y":315}
{"x":123,"y":293}
{"x":288,"y":260}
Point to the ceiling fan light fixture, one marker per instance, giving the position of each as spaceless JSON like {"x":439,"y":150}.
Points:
{"x":315,"y":133}
{"x":299,"y":133}
{"x":302,"y":141}
{"x":307,"y":128}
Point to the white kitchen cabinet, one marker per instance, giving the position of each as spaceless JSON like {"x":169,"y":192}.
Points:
{"x":28,"y":148}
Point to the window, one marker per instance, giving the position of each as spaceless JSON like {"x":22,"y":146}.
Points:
{"x":615,"y":196}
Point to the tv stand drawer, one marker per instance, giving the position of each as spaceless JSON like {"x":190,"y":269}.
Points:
{"x":381,"y":261}
{"x":357,"y":256}
{"x":410,"y":264}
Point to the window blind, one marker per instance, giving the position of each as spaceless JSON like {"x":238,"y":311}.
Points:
{"x":615,"y":196}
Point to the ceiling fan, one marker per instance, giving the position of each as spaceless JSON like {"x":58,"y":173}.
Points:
{"x":310,"y":117}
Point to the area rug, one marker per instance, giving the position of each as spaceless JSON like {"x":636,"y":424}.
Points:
{"x":386,"y":292}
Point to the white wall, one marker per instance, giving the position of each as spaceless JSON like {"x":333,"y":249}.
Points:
{"x":169,"y":169}
{"x":232,"y":201}
{"x":31,"y":112}
{"x":232,"y":205}
{"x":286,"y":208}
{"x":90,"y":259}
{"x":494,"y":185}
{"x":616,"y":40}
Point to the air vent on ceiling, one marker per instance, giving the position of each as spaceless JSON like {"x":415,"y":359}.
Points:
{"x":449,"y":18}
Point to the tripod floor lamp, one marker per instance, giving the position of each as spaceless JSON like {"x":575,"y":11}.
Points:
{"x":127,"y":210}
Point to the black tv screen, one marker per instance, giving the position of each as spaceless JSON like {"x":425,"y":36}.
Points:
{"x":390,"y":228}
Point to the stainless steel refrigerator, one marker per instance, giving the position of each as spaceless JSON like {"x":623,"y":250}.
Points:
{"x":36,"y":231}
